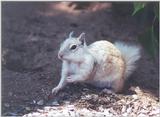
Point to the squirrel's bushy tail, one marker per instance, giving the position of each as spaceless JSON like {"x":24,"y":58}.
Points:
{"x":131,"y":54}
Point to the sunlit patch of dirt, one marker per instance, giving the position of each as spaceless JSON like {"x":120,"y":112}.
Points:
{"x":75,"y":8}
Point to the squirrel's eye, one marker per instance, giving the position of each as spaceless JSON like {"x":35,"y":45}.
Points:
{"x":73,"y":47}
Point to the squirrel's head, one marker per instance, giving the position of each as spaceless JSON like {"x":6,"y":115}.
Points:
{"x":72,"y":48}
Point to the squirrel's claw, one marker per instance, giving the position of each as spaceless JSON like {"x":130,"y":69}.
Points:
{"x":55,"y":90}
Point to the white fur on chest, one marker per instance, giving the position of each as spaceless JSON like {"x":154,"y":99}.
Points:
{"x":73,"y":68}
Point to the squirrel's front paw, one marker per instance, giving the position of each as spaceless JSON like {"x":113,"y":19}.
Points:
{"x":55,"y":90}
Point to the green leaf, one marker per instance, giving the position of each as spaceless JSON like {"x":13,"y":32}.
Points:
{"x":138,"y":6}
{"x":149,"y":41}
{"x":156,"y":10}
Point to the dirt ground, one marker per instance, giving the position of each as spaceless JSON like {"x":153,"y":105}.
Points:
{"x":31,"y":35}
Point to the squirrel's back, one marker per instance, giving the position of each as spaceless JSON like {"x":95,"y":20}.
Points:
{"x":110,"y":64}
{"x":101,"y":49}
{"x":114,"y":59}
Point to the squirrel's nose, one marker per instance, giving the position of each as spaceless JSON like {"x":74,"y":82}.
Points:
{"x":60,"y":55}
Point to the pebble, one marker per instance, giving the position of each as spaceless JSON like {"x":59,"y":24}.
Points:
{"x":28,"y":108}
{"x":106,"y":112}
{"x":142,"y":115}
{"x":124,"y":114}
{"x":101,"y":109}
{"x":55,"y":103}
{"x":123,"y":109}
{"x":47,"y":108}
{"x":144,"y":111}
{"x":40,"y":102}
{"x":138,"y":90}
{"x":67,"y":102}
{"x":85,"y":89}
{"x":95,"y":97}
{"x":34,"y":102}
{"x":155,"y":112}
{"x":36,"y":114}
{"x":107,"y":91}
{"x":71,"y":107}
{"x":40,"y":111}
{"x":129,"y":110}
{"x":135,"y":97}
{"x":87,"y":97}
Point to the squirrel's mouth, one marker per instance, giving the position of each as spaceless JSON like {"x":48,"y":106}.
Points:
{"x":60,"y":56}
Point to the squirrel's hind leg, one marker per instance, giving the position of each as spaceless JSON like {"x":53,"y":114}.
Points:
{"x":117,"y":85}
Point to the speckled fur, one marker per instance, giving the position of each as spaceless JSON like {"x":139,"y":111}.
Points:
{"x":110,"y":64}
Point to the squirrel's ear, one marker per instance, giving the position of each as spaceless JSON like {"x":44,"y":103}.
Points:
{"x":70,"y":34}
{"x":81,"y":38}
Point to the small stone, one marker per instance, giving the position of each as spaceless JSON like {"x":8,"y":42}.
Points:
{"x":95,"y":97}
{"x":123,"y":109}
{"x":107,"y":91}
{"x":55,"y":103}
{"x":138,"y":90}
{"x":87,"y":97}
{"x":129,"y":110}
{"x":101,"y":109}
{"x":67,"y":102}
{"x":42,"y":90}
{"x":142,"y":115}
{"x":106,"y":112}
{"x":34,"y":102}
{"x":85,"y":89}
{"x":41,"y":102}
{"x":36,"y":114}
{"x":123,"y":101}
{"x":40,"y":111}
{"x":125,"y":115}
{"x":28,"y":108}
{"x":135,"y":97}
{"x":71,"y":107}
{"x":155,"y":112}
